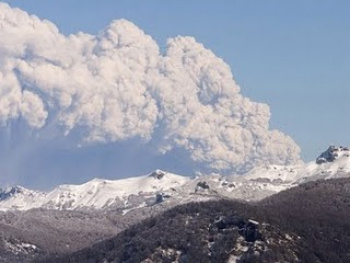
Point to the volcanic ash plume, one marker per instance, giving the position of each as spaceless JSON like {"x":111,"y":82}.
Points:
{"x":118,"y":86}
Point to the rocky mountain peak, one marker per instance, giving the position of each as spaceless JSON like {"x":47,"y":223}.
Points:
{"x":157,"y":174}
{"x":10,"y":191}
{"x":333,"y":153}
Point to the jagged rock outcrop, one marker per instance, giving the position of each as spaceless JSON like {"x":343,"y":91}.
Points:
{"x":158,"y":174}
{"x":202,"y":186}
{"x":331,"y":154}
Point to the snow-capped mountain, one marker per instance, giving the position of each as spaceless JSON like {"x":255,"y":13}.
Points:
{"x":97,"y":193}
{"x":163,"y":187}
{"x":270,"y":179}
{"x":332,"y":163}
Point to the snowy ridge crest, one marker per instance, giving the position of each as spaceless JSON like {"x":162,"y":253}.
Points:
{"x":171,"y":189}
{"x":97,"y":193}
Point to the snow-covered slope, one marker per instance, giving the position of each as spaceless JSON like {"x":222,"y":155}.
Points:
{"x":270,"y":179}
{"x":171,"y":189}
{"x":332,"y":163}
{"x":97,"y":193}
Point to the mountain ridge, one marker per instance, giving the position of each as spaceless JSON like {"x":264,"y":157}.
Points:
{"x":157,"y":186}
{"x":63,"y":226}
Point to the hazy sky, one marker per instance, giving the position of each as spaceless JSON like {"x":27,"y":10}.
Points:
{"x":293,"y":56}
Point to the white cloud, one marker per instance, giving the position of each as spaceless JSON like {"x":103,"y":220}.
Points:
{"x":117,"y":86}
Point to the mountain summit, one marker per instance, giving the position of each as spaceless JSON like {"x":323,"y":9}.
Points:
{"x":142,"y":191}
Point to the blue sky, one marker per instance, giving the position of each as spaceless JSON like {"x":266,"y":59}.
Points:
{"x":292,"y":55}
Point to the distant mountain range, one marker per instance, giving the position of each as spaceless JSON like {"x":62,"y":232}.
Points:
{"x":159,"y":186}
{"x":46,"y":225}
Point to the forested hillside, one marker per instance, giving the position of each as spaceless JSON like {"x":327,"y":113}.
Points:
{"x":308,"y":223}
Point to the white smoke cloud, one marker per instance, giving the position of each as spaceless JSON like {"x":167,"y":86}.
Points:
{"x":118,"y":85}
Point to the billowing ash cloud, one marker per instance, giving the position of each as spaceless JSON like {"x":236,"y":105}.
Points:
{"x":118,"y":86}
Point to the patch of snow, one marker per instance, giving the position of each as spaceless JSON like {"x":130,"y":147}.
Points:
{"x":233,"y":259}
{"x":16,"y":247}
